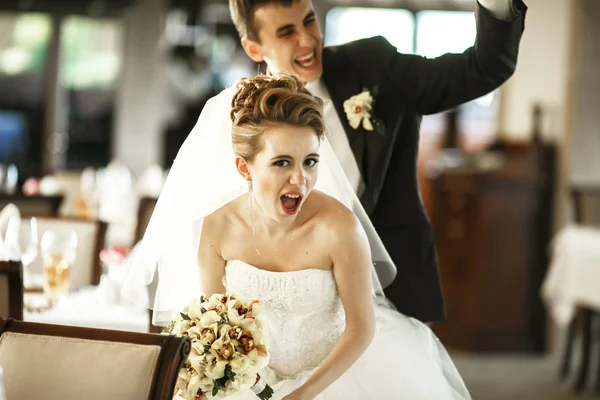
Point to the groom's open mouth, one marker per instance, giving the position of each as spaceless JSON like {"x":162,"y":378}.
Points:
{"x":307,"y":61}
{"x":290,"y":203}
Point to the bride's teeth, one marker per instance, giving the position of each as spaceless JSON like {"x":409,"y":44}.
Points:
{"x":291,"y":196}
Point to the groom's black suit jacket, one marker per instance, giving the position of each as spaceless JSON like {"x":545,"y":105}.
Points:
{"x":409,"y":87}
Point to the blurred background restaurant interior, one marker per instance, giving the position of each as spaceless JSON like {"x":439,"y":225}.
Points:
{"x":97,"y":96}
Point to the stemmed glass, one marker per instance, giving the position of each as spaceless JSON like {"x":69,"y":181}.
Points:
{"x":58,"y":254}
{"x":30,"y":251}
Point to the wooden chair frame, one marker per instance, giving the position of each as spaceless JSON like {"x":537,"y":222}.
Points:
{"x":14,"y":271}
{"x":19,"y":199}
{"x":174,"y":349}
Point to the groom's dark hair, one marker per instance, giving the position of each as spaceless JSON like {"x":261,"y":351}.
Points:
{"x":242,"y":15}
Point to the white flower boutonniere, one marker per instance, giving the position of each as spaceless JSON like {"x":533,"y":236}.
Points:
{"x":359,"y":109}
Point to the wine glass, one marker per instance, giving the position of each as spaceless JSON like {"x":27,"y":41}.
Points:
{"x":58,"y":254}
{"x":30,"y":246}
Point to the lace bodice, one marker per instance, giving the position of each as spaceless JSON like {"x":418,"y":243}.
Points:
{"x":302,"y":313}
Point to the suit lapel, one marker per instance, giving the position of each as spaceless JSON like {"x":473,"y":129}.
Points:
{"x":341,"y":84}
{"x":371,"y":149}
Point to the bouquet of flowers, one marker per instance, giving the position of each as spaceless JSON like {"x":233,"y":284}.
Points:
{"x":227,"y":352}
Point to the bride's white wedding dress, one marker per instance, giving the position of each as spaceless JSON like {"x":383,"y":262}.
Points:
{"x":303,"y":317}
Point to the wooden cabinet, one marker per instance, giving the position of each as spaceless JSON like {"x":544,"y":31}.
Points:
{"x":493,"y":229}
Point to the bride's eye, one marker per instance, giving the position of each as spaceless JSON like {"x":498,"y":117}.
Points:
{"x":311,"y":162}
{"x":281,"y":163}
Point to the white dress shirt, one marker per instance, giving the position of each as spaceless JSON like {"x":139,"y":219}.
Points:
{"x":337,"y":136}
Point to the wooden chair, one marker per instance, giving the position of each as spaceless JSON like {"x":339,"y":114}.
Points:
{"x":11,"y":289}
{"x":583,"y":323}
{"x":33,"y":206}
{"x":72,"y":363}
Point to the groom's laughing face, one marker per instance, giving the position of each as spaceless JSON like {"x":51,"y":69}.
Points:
{"x":289,"y":39}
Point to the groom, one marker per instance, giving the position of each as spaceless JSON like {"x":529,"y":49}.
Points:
{"x":378,"y":147}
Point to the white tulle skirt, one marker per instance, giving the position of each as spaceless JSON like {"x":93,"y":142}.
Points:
{"x":405,"y":361}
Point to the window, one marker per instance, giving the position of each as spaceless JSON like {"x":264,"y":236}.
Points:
{"x":91,"y":52}
{"x":24,"y":41}
{"x":89,"y":66}
{"x":13,"y":136}
{"x":89,"y":69}
{"x":440,"y":32}
{"x":429,"y":33}
{"x":347,"y":24}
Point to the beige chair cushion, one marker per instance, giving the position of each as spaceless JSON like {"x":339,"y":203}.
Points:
{"x":59,"y":368}
{"x":4,"y":306}
{"x":86,"y":257}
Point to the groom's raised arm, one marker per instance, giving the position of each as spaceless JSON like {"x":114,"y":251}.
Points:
{"x":432,"y":85}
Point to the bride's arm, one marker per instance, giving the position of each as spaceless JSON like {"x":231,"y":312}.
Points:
{"x":352,"y":269}
{"x":210,"y":262}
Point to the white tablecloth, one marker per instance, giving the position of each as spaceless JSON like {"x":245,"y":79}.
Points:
{"x":91,"y":307}
{"x":573,"y":278}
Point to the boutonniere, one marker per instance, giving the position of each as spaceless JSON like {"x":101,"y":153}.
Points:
{"x":359,"y":109}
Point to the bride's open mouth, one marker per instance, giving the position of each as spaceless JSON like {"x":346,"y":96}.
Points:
{"x":290,"y":203}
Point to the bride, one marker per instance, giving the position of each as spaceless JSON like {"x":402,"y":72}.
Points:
{"x":272,"y":221}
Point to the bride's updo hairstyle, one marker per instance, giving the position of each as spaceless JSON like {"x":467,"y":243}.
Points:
{"x":262,"y":101}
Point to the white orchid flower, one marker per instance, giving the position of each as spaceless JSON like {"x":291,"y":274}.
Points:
{"x":194,"y":310}
{"x":193,"y":386}
{"x":358,"y":109}
{"x":181,"y":327}
{"x":216,"y":370}
{"x":209,"y":318}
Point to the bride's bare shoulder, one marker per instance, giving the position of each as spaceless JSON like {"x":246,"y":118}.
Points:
{"x":339,"y":229}
{"x":332,"y":214}
{"x":226,"y":217}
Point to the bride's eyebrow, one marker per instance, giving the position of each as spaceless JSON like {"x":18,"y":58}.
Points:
{"x":281,"y":156}
{"x":291,"y":158}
